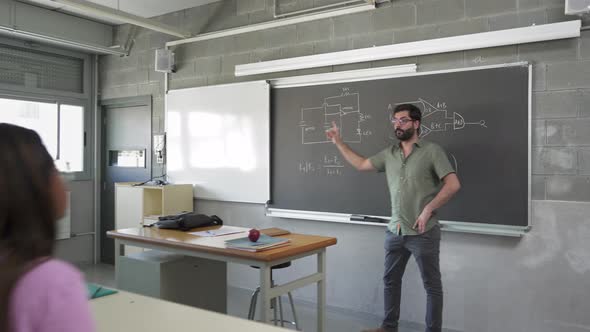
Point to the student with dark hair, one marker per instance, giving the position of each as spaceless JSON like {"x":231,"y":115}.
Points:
{"x":38,"y":293}
{"x":420,"y":180}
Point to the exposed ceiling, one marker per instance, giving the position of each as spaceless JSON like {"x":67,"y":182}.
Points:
{"x":143,"y":8}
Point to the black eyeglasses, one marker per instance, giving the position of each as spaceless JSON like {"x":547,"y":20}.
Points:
{"x":402,"y":121}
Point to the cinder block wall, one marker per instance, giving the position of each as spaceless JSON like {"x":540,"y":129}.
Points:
{"x":537,"y":283}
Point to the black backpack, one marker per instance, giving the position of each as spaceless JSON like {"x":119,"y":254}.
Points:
{"x":185,"y":221}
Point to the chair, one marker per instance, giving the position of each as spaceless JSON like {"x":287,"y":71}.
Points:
{"x":273,"y":302}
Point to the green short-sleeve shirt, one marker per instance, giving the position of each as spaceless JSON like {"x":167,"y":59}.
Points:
{"x":413,"y":181}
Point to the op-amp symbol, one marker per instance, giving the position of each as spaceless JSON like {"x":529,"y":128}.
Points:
{"x":440,"y":119}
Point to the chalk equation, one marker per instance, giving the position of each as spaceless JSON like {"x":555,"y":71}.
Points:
{"x":329,"y":165}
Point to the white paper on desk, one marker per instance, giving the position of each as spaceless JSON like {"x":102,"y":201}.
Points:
{"x":224,"y":230}
{"x":215,"y":241}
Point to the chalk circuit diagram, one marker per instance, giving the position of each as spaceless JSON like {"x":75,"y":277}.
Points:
{"x":344,"y":110}
{"x":438,"y":118}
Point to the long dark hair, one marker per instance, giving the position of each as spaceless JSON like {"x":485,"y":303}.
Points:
{"x":27,"y":214}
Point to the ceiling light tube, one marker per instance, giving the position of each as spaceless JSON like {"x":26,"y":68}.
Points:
{"x":529,"y":34}
{"x":317,"y":9}
{"x":343,"y":76}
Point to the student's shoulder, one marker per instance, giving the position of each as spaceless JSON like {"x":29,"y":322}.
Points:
{"x":51,"y":297}
{"x":56,"y":266}
{"x":49,"y":281}
{"x":53,"y":272}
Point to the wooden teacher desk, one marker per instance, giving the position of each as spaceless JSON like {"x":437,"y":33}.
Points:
{"x":190,"y":245}
{"x":128,"y":312}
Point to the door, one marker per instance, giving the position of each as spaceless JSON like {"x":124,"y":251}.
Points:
{"x":126,"y":157}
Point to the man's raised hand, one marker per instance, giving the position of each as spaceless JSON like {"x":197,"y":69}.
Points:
{"x":334,"y":134}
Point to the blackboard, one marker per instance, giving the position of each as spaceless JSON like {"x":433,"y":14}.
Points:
{"x":481,"y":116}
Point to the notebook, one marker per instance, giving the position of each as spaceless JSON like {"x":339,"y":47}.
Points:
{"x":274,"y":231}
{"x":264,"y":242}
{"x":223,"y":230}
{"x":96,"y":291}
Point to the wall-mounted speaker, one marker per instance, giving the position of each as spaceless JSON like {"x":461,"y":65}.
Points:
{"x":577,"y":7}
{"x":165,"y":61}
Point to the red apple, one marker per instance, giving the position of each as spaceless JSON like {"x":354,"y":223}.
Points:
{"x":253,"y":235}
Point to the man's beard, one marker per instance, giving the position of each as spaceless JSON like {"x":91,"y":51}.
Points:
{"x":404,"y":135}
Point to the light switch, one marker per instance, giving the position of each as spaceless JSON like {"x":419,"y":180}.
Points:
{"x":159,"y":147}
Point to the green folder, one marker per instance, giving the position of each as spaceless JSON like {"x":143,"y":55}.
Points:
{"x":95,"y":291}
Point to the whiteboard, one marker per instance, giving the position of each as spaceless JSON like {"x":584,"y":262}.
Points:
{"x":218,"y":140}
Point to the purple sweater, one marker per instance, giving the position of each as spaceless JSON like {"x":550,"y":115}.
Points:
{"x":50,"y":298}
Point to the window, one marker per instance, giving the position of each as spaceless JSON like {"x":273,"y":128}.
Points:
{"x":60,"y":126}
{"x":71,"y":139}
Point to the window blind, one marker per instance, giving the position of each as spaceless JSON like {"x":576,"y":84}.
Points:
{"x":37,"y":69}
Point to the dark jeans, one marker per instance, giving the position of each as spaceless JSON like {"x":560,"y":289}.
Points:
{"x":425,"y":248}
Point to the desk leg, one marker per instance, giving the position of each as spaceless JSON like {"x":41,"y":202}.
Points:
{"x":321,"y":309}
{"x":119,"y":251}
{"x":265,"y":286}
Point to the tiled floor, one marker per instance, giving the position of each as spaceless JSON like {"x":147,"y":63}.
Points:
{"x":239,"y":301}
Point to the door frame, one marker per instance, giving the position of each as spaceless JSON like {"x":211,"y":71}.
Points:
{"x":113,"y":103}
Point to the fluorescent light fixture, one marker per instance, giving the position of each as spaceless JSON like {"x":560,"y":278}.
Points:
{"x":107,"y":12}
{"x":319,"y":8}
{"x":272,"y":24}
{"x":343,"y":76}
{"x":577,"y":7}
{"x":524,"y":35}
{"x":61,"y":42}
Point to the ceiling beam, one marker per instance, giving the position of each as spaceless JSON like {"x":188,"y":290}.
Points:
{"x":47,"y":39}
{"x":272,"y":24}
{"x":110,"y":13}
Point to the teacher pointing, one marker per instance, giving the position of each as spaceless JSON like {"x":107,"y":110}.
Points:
{"x":420,"y":180}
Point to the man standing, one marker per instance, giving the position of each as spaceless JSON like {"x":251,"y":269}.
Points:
{"x":420,"y":180}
